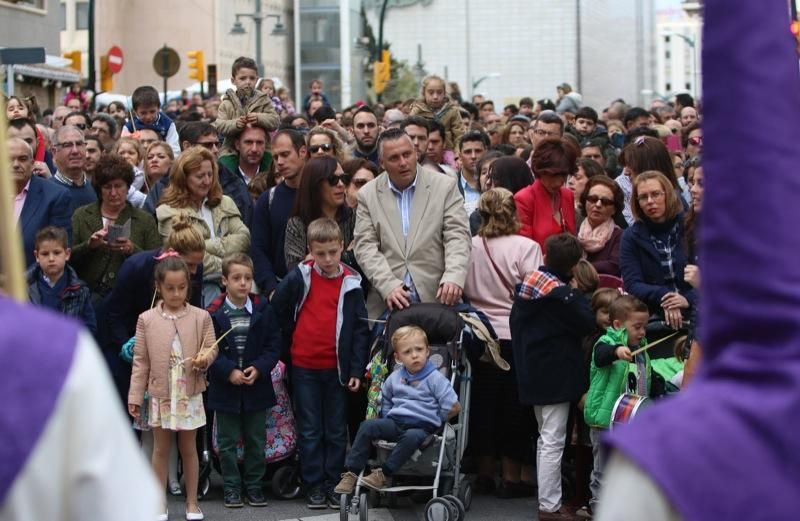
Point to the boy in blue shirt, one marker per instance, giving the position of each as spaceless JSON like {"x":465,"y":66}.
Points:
{"x":417,"y":399}
{"x":52,"y":284}
{"x":147,"y":114}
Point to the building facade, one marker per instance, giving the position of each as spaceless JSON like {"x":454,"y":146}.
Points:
{"x":679,"y":52}
{"x":327,"y":49}
{"x":142,"y":27}
{"x":35,"y":23}
{"x":603,"y":48}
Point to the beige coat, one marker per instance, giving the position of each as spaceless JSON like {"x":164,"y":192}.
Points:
{"x":231,"y":109}
{"x":448,"y":116}
{"x":438,"y":245}
{"x":151,"y":353}
{"x":231,"y":234}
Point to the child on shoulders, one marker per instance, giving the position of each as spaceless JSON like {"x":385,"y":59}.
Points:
{"x":434,"y":104}
{"x":244,"y":105}
{"x":147,"y":114}
{"x":417,"y":399}
{"x":55,"y":285}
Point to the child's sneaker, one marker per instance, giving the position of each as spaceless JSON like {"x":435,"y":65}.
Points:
{"x":316,"y":499}
{"x":233,"y":499}
{"x":347,"y":484}
{"x":376,"y":480}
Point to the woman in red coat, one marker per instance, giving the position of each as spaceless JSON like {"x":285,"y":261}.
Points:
{"x":546,"y":207}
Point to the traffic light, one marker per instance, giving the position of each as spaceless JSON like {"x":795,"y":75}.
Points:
{"x":382,"y":72}
{"x":75,"y":58}
{"x":106,"y":76}
{"x":197,"y":67}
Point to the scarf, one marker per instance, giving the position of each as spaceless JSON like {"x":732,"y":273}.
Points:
{"x":408,"y":378}
{"x":594,"y":239}
{"x":666,"y":245}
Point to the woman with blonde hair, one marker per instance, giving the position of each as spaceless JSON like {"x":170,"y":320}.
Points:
{"x":195,"y":191}
{"x":325,"y":142}
{"x":500,"y":260}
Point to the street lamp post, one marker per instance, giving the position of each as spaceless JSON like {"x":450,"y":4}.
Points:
{"x":692,"y":43}
{"x":480,"y":80}
{"x":257,"y":17}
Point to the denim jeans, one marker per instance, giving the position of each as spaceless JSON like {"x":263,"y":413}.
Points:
{"x":408,"y":440}
{"x":598,"y":454}
{"x":320,"y":406}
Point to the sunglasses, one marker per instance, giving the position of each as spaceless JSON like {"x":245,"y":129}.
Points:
{"x":334,"y":179}
{"x":594,"y":199}
{"x":696,"y":140}
{"x":327,"y":147}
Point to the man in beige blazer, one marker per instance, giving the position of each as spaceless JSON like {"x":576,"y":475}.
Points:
{"x":412,"y":237}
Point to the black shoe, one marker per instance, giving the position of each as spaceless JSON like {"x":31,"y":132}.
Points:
{"x":255,"y":498}
{"x":233,"y":499}
{"x":510,"y":490}
{"x":317,"y":499}
{"x":333,"y":499}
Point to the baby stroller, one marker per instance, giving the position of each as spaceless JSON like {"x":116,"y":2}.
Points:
{"x":440,"y":457}
{"x":281,"y":440}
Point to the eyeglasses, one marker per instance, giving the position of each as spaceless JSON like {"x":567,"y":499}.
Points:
{"x":327,"y":147}
{"x":594,"y":199}
{"x":696,"y":140}
{"x":334,"y":179}
{"x":70,"y":144}
{"x":655,"y":196}
{"x":358,"y":183}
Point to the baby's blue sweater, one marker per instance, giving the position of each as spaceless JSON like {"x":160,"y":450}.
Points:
{"x":424,"y":403}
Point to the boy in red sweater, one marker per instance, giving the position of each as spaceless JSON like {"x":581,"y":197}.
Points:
{"x":321,"y":309}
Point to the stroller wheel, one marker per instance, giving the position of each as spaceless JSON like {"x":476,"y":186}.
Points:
{"x":285,"y":484}
{"x":343,"y":513}
{"x":363,"y":507}
{"x":465,"y":494}
{"x":439,"y":509}
{"x":458,"y":507}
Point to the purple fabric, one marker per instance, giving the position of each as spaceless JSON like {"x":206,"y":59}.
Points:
{"x":726,"y":448}
{"x":36,"y":351}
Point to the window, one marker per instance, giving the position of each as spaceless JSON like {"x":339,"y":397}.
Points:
{"x":668,"y":87}
{"x":667,"y":55}
{"x":82,"y":16}
{"x":688,"y":86}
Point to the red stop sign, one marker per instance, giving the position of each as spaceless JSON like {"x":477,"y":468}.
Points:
{"x":115,"y":59}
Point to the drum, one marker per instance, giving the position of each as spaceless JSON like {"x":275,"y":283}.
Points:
{"x":627,"y":407}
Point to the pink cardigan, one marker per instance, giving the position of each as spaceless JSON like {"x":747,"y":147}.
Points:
{"x":151,"y":353}
{"x":516,"y":257}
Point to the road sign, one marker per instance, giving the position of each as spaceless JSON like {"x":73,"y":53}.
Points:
{"x":166,"y":62}
{"x":115,"y":60}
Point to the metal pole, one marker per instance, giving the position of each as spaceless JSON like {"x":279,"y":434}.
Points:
{"x":164,"y":68}
{"x":379,"y":51}
{"x":92,"y":73}
{"x":468,"y":51}
{"x":578,"y":57}
{"x":9,"y":80}
{"x":257,"y":20}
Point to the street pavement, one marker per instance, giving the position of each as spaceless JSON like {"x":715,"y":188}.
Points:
{"x":483,"y":508}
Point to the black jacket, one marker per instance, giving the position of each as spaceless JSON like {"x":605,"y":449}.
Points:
{"x":262,"y":351}
{"x":546,"y":335}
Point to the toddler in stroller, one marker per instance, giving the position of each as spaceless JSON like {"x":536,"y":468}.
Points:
{"x":417,"y":400}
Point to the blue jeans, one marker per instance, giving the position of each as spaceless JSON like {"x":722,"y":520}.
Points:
{"x":408,"y":440}
{"x":320,"y":406}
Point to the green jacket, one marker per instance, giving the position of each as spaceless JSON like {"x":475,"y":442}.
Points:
{"x":98,"y":267}
{"x":449,"y":116}
{"x":606,"y":384}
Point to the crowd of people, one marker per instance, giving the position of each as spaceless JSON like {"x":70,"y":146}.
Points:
{"x":221,"y":236}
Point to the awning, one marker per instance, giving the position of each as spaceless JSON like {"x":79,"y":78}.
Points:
{"x":48,"y":72}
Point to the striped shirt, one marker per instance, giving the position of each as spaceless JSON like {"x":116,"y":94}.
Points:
{"x":240,"y":323}
{"x":404,"y":200}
